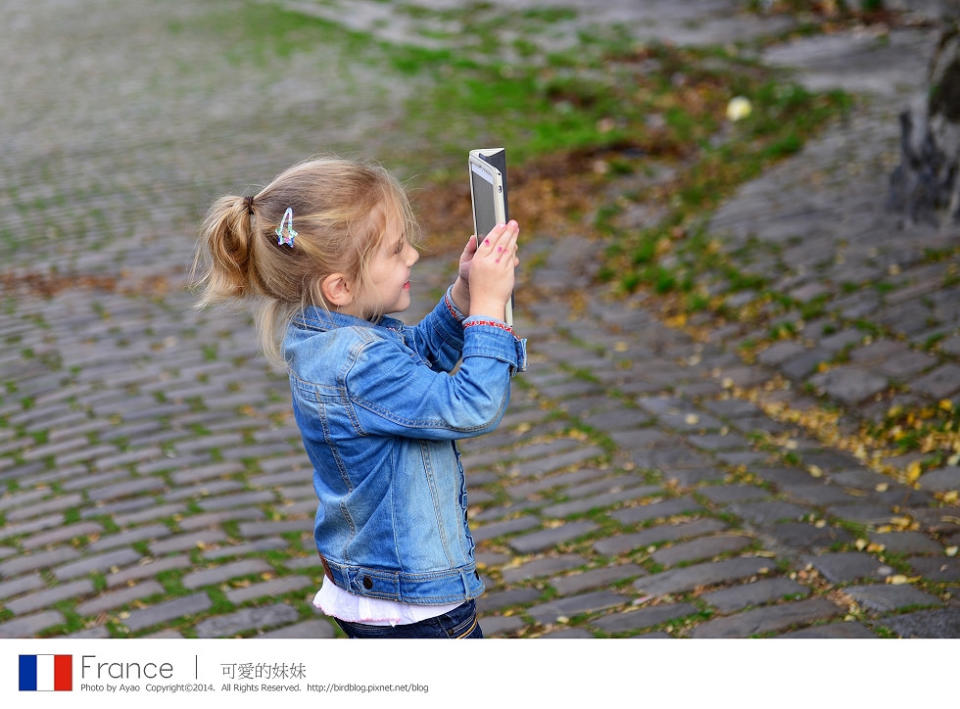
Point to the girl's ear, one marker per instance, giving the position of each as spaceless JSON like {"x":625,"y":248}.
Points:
{"x":336,"y":290}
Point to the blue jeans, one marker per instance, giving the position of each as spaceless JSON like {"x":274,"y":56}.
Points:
{"x":461,"y":622}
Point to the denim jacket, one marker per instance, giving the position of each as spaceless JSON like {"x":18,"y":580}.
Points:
{"x":379,"y":415}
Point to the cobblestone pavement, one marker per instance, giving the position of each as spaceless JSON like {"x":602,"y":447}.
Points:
{"x":156,"y":485}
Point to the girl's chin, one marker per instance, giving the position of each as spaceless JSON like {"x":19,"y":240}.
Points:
{"x":402,"y":303}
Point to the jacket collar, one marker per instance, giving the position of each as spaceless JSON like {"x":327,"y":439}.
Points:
{"x":321,"y":319}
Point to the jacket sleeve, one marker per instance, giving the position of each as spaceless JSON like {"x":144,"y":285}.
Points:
{"x":438,"y":338}
{"x":391,"y":394}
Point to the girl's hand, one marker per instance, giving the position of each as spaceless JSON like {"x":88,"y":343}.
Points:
{"x":466,"y":258}
{"x":461,"y":287}
{"x":492,"y":271}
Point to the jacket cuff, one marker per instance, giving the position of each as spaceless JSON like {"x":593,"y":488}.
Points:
{"x":452,"y":308}
{"x":493,"y":338}
{"x":447,"y":321}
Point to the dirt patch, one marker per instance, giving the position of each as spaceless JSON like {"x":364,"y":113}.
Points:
{"x":550,"y":194}
{"x":47,"y":285}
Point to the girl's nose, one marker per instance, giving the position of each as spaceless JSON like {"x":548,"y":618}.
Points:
{"x":413,"y":256}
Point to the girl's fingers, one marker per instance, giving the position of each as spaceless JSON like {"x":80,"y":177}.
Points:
{"x":508,"y":244}
{"x":503,"y":231}
{"x":499,"y":232}
{"x":494,"y":236}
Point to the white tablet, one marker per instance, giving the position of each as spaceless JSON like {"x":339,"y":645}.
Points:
{"x":488,"y":193}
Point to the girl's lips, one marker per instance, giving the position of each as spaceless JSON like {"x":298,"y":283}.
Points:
{"x":406,"y":286}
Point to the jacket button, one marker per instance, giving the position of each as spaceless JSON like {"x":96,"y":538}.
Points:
{"x":367,"y":582}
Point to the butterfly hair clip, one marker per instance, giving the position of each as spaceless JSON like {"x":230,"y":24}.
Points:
{"x":291,"y":234}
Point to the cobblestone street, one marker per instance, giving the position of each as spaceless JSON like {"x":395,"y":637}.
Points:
{"x":646,"y":481}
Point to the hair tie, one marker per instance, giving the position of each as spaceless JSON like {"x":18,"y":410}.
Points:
{"x":248,"y":203}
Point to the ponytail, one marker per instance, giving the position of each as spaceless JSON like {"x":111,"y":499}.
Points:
{"x":225,"y":238}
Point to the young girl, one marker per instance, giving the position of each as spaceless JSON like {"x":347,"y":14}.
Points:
{"x":328,"y":249}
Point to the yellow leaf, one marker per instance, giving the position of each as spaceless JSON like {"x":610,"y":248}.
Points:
{"x":691,"y":419}
{"x":950,"y":551}
{"x":946,"y":404}
{"x":621,"y":346}
{"x":815,"y":471}
{"x":897,"y":579}
{"x":913,"y":471}
{"x":738,"y":108}
{"x":882,"y":487}
{"x":860,"y":544}
{"x":950,"y":496}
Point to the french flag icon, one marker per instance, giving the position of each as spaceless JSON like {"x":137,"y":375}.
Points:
{"x":46,"y":673}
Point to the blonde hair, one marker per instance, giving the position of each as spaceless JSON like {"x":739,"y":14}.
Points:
{"x":341,"y":210}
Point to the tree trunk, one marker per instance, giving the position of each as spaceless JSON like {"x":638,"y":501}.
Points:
{"x":925,"y":186}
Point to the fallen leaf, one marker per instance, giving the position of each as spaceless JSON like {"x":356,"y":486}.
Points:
{"x":913,"y":471}
{"x":738,"y":108}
